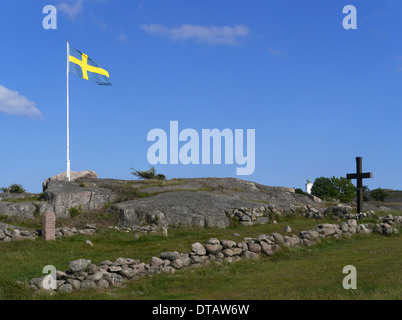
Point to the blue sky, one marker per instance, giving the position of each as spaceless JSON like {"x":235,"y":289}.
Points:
{"x":316,"y":94}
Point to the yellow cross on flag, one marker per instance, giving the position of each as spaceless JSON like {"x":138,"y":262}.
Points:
{"x":86,"y":68}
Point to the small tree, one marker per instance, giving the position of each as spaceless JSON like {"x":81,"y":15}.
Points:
{"x":333,"y":189}
{"x":345,"y":189}
{"x":324,"y":189}
{"x":149,"y":174}
{"x":379,"y":194}
{"x":14,"y":188}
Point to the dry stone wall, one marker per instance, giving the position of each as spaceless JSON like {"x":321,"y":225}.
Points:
{"x":10,"y":233}
{"x":262,"y":214}
{"x":83,"y":274}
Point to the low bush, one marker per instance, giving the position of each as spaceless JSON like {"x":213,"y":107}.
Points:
{"x":149,"y":174}
{"x":14,"y":188}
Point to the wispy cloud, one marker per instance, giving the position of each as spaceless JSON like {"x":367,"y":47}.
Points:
{"x":210,"y":35}
{"x":72,"y":9}
{"x":99,"y":21}
{"x":13,"y":103}
{"x":399,"y":61}
{"x":377,"y":16}
{"x":275,"y":52}
{"x":122,"y":38}
{"x":393,"y":3}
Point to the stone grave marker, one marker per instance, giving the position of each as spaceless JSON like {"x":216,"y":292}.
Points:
{"x":49,"y":225}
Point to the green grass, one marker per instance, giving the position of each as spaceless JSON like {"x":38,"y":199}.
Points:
{"x":75,"y":211}
{"x":35,"y":198}
{"x":315,"y":274}
{"x":289,"y":274}
{"x":32,"y":224}
{"x":159,"y":183}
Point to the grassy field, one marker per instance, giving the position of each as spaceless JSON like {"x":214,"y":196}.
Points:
{"x":290,"y":274}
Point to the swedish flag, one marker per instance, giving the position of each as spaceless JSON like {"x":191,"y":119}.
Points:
{"x":86,"y":68}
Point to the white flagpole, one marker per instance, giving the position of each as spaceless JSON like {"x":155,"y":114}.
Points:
{"x":68,"y":114}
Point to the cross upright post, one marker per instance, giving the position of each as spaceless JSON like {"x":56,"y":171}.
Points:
{"x":359,"y":176}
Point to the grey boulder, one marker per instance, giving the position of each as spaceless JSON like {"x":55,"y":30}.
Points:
{"x":88,"y":284}
{"x":170,"y":255}
{"x":24,"y":210}
{"x":213,"y":248}
{"x":156,"y":262}
{"x":63,"y":195}
{"x":79,"y":265}
{"x":114,"y":280}
{"x":340,"y":210}
{"x":65,"y":288}
{"x":74,"y":175}
{"x":199,"y":249}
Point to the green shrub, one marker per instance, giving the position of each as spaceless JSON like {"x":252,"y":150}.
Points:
{"x":379,"y":194}
{"x":324,"y":189}
{"x":74,"y":211}
{"x":300,"y":191}
{"x":14,"y":188}
{"x":333,"y":188}
{"x":149,"y":174}
{"x":345,"y":189}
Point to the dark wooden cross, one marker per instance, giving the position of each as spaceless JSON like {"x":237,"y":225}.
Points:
{"x":359,"y":176}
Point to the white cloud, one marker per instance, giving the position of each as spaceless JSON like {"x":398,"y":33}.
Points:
{"x":275,"y":52}
{"x":122,"y":38}
{"x":399,"y":59}
{"x":14,"y":104}
{"x":71,"y":9}
{"x":211,"y":35}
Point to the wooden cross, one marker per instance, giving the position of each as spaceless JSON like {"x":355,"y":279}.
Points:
{"x":359,"y":176}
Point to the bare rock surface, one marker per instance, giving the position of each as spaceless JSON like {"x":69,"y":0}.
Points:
{"x":21,"y":211}
{"x":198,"y":202}
{"x":62,"y":195}
{"x":74,"y":175}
